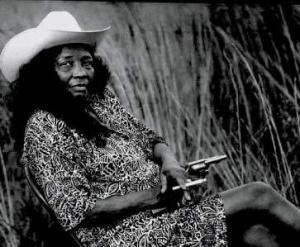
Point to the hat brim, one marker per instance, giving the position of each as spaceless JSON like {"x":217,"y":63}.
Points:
{"x":24,"y":46}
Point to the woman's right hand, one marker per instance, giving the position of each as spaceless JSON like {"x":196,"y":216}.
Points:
{"x":170,"y":199}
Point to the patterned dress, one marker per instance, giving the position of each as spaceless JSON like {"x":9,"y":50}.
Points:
{"x":74,"y":172}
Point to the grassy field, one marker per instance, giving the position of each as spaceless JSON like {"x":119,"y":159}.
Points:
{"x":213,"y":79}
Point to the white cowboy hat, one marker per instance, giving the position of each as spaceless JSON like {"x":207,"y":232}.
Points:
{"x":57,"y":28}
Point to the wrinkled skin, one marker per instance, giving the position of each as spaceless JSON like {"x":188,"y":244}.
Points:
{"x":74,"y":67}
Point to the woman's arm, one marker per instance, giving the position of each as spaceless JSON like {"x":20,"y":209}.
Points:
{"x":117,"y":206}
{"x":133,"y":202}
{"x":114,"y":207}
{"x":163,"y":153}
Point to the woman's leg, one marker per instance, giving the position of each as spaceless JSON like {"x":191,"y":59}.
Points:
{"x":258,"y":204}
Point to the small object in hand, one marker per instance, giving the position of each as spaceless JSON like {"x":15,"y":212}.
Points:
{"x":201,"y":165}
{"x":190,"y":184}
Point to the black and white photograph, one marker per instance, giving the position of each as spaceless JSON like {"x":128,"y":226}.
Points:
{"x":149,"y":124}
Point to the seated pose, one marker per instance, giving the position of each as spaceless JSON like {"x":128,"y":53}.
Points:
{"x":103,"y":171}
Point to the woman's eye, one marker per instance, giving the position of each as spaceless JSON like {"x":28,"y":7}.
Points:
{"x":87,"y":64}
{"x":65,"y":64}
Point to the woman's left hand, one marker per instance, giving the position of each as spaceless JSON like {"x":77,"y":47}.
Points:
{"x":173,"y":174}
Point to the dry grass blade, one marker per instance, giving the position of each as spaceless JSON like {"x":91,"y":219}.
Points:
{"x":6,"y":209}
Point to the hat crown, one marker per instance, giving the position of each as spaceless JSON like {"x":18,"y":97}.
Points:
{"x":60,"y":20}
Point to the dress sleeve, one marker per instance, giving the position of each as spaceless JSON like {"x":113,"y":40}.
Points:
{"x":146,"y":137}
{"x":63,"y":181}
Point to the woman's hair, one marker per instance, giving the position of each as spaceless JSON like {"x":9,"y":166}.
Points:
{"x":38,"y":88}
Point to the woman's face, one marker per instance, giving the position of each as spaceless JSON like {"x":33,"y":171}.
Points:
{"x":74,"y":67}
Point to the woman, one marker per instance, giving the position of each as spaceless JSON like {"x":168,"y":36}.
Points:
{"x":102,"y":171}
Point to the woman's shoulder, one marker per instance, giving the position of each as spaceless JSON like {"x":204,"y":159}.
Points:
{"x":109,"y":92}
{"x":106,"y":94}
{"x":107,"y":98}
{"x":42,"y":120}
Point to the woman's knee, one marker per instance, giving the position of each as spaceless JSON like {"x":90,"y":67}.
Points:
{"x":255,"y":195}
{"x":262,"y":196}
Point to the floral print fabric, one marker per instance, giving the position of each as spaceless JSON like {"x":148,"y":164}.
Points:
{"x":74,"y":172}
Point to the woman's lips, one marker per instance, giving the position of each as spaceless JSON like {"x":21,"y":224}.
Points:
{"x":78,"y":90}
{"x":79,"y":87}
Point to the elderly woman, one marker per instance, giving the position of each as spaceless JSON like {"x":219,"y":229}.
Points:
{"x":102,"y":170}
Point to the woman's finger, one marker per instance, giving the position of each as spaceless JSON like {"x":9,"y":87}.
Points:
{"x":163,"y":180}
{"x":187,"y":195}
{"x":181,"y":180}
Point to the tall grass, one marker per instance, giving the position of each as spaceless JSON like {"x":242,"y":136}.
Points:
{"x":212,"y":79}
{"x":181,"y":78}
{"x":7,"y":224}
{"x":266,"y":88}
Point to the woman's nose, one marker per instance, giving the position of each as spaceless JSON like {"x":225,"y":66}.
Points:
{"x":78,"y":70}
